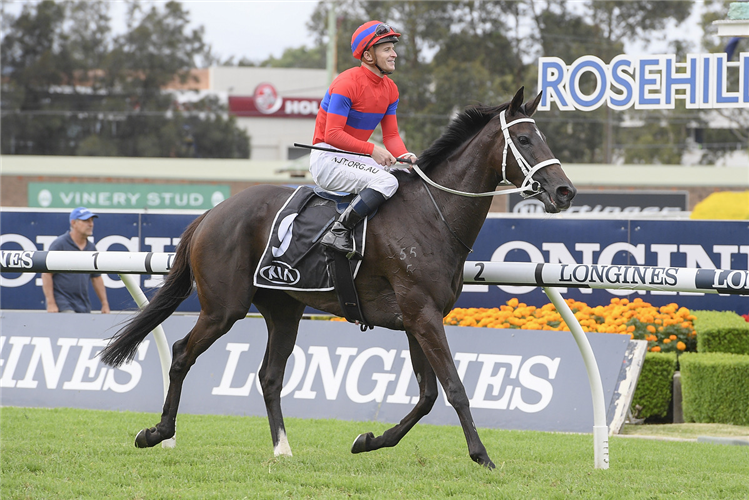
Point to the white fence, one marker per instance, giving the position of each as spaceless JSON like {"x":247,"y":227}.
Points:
{"x":548,"y":276}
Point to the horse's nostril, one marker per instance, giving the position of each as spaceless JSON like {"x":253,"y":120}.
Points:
{"x":566,"y":193}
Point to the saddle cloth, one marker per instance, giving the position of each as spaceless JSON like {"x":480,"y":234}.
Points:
{"x":293,"y":258}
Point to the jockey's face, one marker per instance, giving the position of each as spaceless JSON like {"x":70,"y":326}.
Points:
{"x":384,"y":55}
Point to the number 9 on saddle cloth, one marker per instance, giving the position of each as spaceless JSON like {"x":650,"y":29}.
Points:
{"x":293,"y":256}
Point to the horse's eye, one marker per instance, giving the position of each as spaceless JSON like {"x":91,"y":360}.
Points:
{"x":524,"y":140}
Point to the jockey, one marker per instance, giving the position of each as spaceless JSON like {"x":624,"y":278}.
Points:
{"x":357,"y":101}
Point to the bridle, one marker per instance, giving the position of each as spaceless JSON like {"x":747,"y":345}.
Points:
{"x":527,"y":189}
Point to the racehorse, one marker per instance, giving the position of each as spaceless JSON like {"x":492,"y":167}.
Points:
{"x":409,"y":279}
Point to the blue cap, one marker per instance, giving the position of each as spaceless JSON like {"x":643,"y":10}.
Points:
{"x":81,"y":213}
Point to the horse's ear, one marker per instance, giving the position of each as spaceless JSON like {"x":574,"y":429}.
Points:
{"x":517,"y":102}
{"x":530,"y":107}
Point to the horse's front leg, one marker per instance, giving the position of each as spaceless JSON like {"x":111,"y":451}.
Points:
{"x":282,"y":314}
{"x":427,"y":396}
{"x":427,"y":328}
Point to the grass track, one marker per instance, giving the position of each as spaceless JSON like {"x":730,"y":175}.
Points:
{"x":65,"y":453}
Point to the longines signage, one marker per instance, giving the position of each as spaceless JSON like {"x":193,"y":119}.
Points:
{"x":514,"y":379}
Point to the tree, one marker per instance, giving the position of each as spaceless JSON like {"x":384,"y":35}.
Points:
{"x":156,"y":49}
{"x":74,"y":89}
{"x":300,"y":57}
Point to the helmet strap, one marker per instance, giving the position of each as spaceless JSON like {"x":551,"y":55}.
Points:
{"x":382,"y":71}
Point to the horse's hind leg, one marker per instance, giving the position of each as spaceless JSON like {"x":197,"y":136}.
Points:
{"x":427,"y":396}
{"x":206,"y":331}
{"x":282,"y":314}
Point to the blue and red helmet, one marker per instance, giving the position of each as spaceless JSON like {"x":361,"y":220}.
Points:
{"x":370,"y":34}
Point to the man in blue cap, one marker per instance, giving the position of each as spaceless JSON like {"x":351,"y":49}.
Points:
{"x":65,"y":292}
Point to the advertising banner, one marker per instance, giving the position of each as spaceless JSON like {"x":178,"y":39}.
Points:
{"x":661,"y":243}
{"x":701,"y":81}
{"x":266,"y":102}
{"x":610,"y":202}
{"x":126,"y":196}
{"x":514,"y":380}
{"x":552,"y":239}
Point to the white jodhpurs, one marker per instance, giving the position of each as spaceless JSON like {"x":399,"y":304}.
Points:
{"x":350,"y":173}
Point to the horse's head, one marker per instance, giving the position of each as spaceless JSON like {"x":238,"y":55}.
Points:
{"x":525,"y":159}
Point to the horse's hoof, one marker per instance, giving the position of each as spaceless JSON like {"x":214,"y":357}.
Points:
{"x":140,"y":440}
{"x":484,"y":460}
{"x":360,"y":443}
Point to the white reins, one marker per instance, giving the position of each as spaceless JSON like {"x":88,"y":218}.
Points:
{"x":527,"y":189}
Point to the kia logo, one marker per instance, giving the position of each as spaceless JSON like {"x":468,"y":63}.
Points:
{"x":280,"y":273}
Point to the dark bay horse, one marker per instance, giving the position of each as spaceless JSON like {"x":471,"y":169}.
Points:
{"x":411,"y":275}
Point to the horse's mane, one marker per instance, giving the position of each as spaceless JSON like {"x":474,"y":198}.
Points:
{"x":466,"y":125}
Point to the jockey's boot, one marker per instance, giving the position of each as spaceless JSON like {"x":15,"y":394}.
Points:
{"x":339,"y":237}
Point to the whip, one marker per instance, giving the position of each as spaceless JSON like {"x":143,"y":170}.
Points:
{"x":331,"y":150}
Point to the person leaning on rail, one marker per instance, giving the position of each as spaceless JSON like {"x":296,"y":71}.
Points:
{"x":357,"y":101}
{"x":68,"y":292}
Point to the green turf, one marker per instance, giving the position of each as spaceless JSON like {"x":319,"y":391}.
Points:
{"x":64,"y":453}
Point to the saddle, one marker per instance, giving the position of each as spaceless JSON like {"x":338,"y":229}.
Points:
{"x":293,"y":257}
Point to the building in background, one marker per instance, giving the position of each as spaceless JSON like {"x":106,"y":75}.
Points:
{"x":276,"y":106}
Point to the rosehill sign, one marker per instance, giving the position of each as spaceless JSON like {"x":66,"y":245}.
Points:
{"x":649,"y":82}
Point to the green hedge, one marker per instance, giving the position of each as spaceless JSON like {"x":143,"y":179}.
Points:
{"x":653,"y":393}
{"x":715,"y":388}
{"x":721,"y":331}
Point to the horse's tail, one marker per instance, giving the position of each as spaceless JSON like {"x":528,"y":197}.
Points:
{"x":177,"y":287}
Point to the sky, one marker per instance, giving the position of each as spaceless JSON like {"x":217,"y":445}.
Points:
{"x":242,"y":28}
{"x":253,"y":29}
{"x":258,"y":29}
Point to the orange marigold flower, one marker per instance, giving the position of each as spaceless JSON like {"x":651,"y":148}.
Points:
{"x":651,"y":328}
{"x":656,"y":348}
{"x":666,"y":341}
{"x":672,"y":337}
{"x":681,"y":346}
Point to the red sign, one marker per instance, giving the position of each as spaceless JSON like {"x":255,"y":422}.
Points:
{"x":265,"y":102}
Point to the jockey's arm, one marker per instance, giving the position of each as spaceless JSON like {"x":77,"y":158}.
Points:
{"x":392,"y":139}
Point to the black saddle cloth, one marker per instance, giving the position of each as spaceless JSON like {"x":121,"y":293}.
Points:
{"x":293,"y":258}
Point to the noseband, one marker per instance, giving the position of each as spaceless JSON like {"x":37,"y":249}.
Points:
{"x":527,"y":189}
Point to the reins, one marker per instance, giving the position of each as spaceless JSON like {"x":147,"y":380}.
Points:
{"x":434,"y":202}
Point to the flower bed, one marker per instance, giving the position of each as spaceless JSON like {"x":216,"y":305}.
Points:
{"x":667,"y":328}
